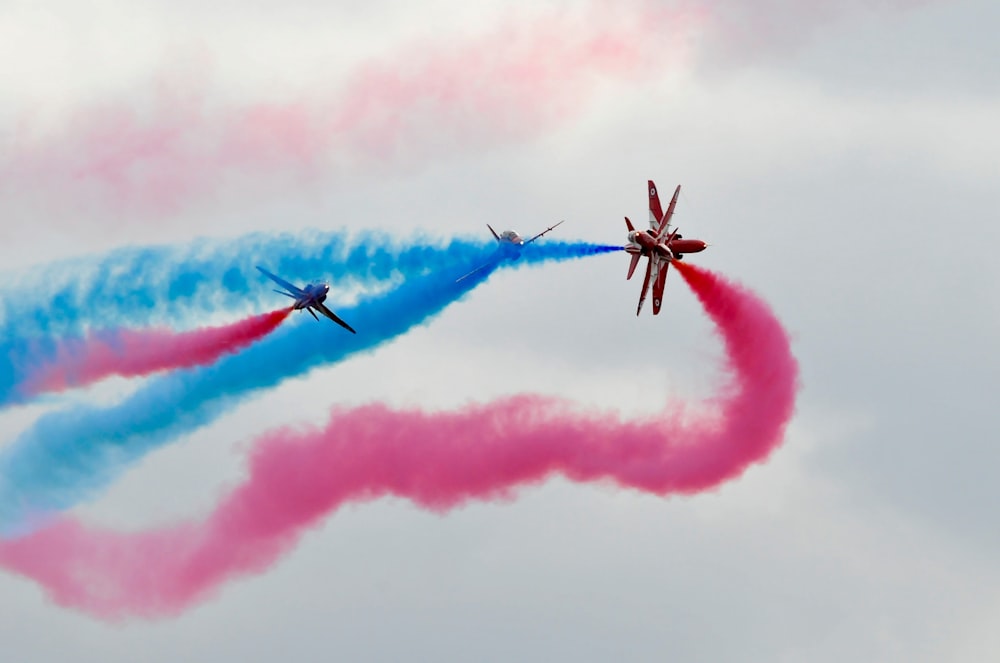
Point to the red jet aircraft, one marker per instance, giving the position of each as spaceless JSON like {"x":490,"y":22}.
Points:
{"x":659,"y":244}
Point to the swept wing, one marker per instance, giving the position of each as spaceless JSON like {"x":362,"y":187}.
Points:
{"x":655,"y":211}
{"x":665,"y":222}
{"x":333,"y":316}
{"x":549,"y":229}
{"x":658,"y":284}
{"x":476,"y":270}
{"x":645,"y":285}
{"x":282,"y":282}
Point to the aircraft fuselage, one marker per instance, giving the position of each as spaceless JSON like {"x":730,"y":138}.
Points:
{"x":314,"y":293}
{"x":510,"y":245}
{"x":645,"y":243}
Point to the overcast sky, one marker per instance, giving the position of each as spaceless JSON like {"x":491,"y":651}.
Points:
{"x":841,"y":160}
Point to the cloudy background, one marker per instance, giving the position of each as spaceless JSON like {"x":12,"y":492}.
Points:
{"x":841,"y":159}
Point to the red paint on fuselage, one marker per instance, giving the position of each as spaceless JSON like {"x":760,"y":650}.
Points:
{"x":659,"y":245}
{"x":648,"y":244}
{"x":644,"y":239}
{"x":687,"y":245}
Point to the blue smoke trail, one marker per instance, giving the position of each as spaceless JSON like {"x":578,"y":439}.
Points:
{"x":143,"y":285}
{"x":174,"y":285}
{"x":70,"y":454}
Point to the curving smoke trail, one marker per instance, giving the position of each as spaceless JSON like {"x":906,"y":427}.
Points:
{"x":68,"y":455}
{"x":179,"y":285}
{"x":134,"y":353}
{"x":161,"y":284}
{"x":437,"y":460}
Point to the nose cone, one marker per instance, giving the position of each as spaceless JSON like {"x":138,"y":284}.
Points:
{"x":688,"y":245}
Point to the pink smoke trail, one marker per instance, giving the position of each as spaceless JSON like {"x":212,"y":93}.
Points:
{"x":426,"y":99}
{"x":437,"y":460}
{"x":157,"y":153}
{"x":132,"y":353}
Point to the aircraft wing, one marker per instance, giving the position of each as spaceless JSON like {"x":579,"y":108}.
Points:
{"x":658,"y":284}
{"x":645,"y":285}
{"x":549,"y":229}
{"x":280,"y":281}
{"x":655,"y":211}
{"x":475,"y":271}
{"x":665,"y":223}
{"x":333,"y":316}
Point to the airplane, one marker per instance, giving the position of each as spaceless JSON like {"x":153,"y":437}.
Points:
{"x":308,"y":298}
{"x":659,"y":244}
{"x":509,"y":246}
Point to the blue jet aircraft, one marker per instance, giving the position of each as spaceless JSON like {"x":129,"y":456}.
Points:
{"x":509,"y":247}
{"x":308,"y":298}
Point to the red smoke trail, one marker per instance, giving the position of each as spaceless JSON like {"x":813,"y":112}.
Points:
{"x":437,"y":460}
{"x":131,"y":353}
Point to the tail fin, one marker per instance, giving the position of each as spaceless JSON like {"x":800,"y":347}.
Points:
{"x":628,"y":224}
{"x":495,"y":235}
{"x":655,"y":210}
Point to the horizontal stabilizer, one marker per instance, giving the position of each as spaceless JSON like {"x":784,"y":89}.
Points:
{"x":632,"y":265}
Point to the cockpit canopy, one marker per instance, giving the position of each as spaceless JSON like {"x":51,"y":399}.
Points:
{"x":317,"y":288}
{"x":510,"y":236}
